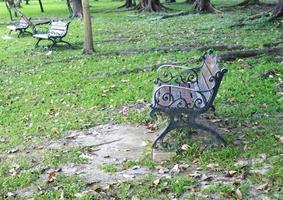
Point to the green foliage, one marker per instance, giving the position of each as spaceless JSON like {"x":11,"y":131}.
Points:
{"x":43,"y":95}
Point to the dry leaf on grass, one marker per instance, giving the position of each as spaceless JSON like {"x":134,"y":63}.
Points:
{"x":231,"y":173}
{"x":52,"y":177}
{"x":262,"y":187}
{"x":156,"y":182}
{"x":239,"y":194}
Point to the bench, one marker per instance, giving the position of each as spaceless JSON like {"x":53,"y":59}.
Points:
{"x":57,"y":31}
{"x":24,"y":24}
{"x":21,"y":26}
{"x":184,"y":93}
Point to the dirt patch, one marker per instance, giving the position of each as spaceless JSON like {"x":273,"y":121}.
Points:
{"x":111,"y":144}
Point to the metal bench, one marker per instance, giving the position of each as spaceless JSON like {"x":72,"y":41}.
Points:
{"x":21,"y":26}
{"x":24,"y":24}
{"x":57,"y":31}
{"x":184,"y":93}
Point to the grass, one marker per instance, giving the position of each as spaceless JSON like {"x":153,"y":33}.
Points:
{"x":44,"y":95}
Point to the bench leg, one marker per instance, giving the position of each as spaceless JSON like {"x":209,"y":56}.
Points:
{"x":52,"y":45}
{"x":20,"y":33}
{"x":210,"y":130}
{"x":36,"y":44}
{"x":163,"y":134}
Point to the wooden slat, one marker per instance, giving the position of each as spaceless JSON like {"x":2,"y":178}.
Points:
{"x":211,"y":64}
{"x":162,"y":91}
{"x":186,"y":94}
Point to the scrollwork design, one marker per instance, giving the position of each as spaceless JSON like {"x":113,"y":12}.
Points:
{"x":185,"y":76}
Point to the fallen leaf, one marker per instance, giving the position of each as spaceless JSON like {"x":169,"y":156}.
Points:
{"x":175,"y":169}
{"x":52,"y":176}
{"x":185,"y":147}
{"x":195,"y":175}
{"x":195,"y":161}
{"x":262,"y":187}
{"x":163,"y":170}
{"x":212,"y":166}
{"x":14,"y":150}
{"x":2,"y":139}
{"x":135,"y":198}
{"x":10,"y":194}
{"x":136,"y":167}
{"x":239,"y":194}
{"x":129,"y":175}
{"x":207,"y":178}
{"x":229,"y":194}
{"x":156,"y":182}
{"x":62,"y":196}
{"x":231,"y":173}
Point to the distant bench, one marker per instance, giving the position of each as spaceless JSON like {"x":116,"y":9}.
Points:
{"x":184,"y":93}
{"x":57,"y":31}
{"x":24,"y":24}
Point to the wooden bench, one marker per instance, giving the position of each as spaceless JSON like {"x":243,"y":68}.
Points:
{"x":184,"y":93}
{"x":24,"y":24}
{"x":57,"y":31}
{"x":21,"y":26}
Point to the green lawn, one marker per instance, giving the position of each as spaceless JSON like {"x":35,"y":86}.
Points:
{"x":43,"y":95}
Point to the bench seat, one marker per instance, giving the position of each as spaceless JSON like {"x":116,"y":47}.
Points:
{"x":42,"y":36}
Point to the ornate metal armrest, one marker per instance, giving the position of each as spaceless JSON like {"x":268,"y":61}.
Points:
{"x":174,"y":74}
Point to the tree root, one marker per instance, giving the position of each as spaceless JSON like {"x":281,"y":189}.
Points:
{"x":273,"y":44}
{"x":184,"y":48}
{"x":206,"y":6}
{"x":182,"y":13}
{"x":230,"y":56}
{"x":277,"y":12}
{"x":249,"y":2}
{"x":151,"y":6}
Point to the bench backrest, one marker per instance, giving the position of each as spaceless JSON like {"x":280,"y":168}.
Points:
{"x":58,"y":28}
{"x":208,"y":82}
{"x":24,"y":22}
{"x":209,"y":74}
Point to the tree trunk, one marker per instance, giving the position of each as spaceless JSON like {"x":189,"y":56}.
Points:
{"x":170,"y":1}
{"x":77,"y":10}
{"x":151,"y":6}
{"x":278,"y":10}
{"x":9,"y":10}
{"x":190,"y":1}
{"x":128,"y":4}
{"x":204,"y":6}
{"x":249,"y":2}
{"x":41,"y":7}
{"x":88,"y":40}
{"x":68,"y":2}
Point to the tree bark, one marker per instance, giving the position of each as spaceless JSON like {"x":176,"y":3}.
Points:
{"x":88,"y":39}
{"x":170,"y":1}
{"x":41,"y":7}
{"x":129,"y":4}
{"x":248,"y":2}
{"x":77,"y":9}
{"x":204,"y":6}
{"x":278,"y":10}
{"x":151,"y":6}
{"x":190,"y":1}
